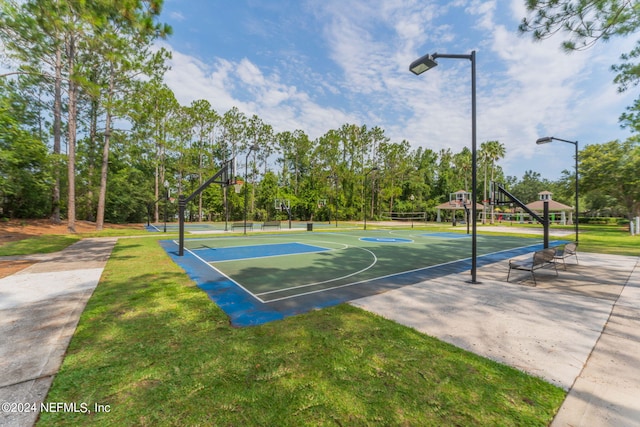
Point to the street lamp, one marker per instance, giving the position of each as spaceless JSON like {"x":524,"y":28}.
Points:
{"x":418,"y":67}
{"x":253,"y":147}
{"x":548,"y":139}
{"x":364,"y":196}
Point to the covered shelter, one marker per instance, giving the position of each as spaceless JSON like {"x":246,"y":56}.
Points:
{"x":460,"y":200}
{"x":554,"y":208}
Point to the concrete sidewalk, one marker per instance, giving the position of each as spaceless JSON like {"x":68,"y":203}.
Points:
{"x":579,"y":330}
{"x":39,"y":309}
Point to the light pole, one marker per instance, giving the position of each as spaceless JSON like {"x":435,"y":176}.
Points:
{"x":548,"y":139}
{"x":253,"y":147}
{"x":418,"y":67}
{"x":166,"y":201}
{"x":364,"y":196}
{"x":334,"y":181}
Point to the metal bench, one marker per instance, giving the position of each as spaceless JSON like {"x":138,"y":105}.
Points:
{"x":541,"y":259}
{"x":568,"y":250}
{"x":241,"y":225}
{"x":266,"y":224}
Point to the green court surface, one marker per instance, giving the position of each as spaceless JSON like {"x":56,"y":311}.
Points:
{"x":258,"y":278}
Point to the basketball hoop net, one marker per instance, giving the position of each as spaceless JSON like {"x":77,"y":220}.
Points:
{"x":238,"y":185}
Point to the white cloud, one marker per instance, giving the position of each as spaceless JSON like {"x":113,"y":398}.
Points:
{"x":525,"y":89}
{"x":282,"y":106}
{"x":177,"y":16}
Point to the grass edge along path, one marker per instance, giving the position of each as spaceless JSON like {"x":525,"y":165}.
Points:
{"x":157,"y":351}
{"x":38,"y":245}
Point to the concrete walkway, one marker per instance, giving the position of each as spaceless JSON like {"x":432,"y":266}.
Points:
{"x":39,"y":309}
{"x":579,"y":330}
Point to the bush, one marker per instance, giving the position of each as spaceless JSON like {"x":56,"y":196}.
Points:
{"x":601,"y":220}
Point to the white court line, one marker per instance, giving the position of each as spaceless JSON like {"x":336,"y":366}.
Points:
{"x":391,"y":275}
{"x":221,"y":273}
{"x":375,"y":260}
{"x":322,"y":249}
{"x":257,"y":297}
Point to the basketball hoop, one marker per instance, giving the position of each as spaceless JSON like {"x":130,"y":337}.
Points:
{"x":238,"y":185}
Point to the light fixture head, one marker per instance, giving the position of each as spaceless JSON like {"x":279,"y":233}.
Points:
{"x":423,"y":64}
{"x":544,"y":140}
{"x":254,"y":147}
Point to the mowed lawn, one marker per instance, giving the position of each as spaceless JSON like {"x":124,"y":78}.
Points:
{"x":154,"y":350}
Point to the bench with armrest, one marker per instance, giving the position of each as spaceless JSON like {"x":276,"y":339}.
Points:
{"x":541,"y":259}
{"x":241,"y":225}
{"x":568,"y":250}
{"x":266,"y":224}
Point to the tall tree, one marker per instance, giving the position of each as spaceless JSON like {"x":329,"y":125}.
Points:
{"x":527,"y":189}
{"x":24,"y":164}
{"x":123,"y":34}
{"x":612,"y":169}
{"x":37,"y":44}
{"x":260,"y":135}
{"x":202,"y":119}
{"x":492,"y":151}
{"x":586,"y":22}
{"x":152,"y":114}
{"x":394,"y":171}
{"x":48,"y":36}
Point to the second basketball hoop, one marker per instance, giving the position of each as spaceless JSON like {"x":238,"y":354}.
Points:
{"x":238,"y":185}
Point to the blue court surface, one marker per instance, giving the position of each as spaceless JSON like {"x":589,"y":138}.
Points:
{"x":260,"y":278}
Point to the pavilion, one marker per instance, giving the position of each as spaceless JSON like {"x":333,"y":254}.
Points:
{"x":554,"y":207}
{"x":458,"y":201}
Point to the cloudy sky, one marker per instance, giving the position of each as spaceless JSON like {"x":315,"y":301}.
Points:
{"x":318,"y":64}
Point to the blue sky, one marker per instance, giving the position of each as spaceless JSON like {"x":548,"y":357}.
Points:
{"x":318,"y":64}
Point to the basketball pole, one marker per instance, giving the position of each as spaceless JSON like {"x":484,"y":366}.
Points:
{"x":183,"y":200}
{"x":253,"y":147}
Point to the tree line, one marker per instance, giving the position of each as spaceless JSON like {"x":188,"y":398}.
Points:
{"x":87,"y":98}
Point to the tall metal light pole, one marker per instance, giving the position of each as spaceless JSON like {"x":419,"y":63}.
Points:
{"x":334,"y":178}
{"x":548,"y":139}
{"x":418,"y":67}
{"x":166,"y":201}
{"x":364,"y":195}
{"x":253,"y":147}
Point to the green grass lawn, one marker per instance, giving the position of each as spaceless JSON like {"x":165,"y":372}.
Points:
{"x":154,"y":348}
{"x":603,"y":239}
{"x":38,"y":245}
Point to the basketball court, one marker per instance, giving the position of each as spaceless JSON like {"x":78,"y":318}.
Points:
{"x":259,"y":278}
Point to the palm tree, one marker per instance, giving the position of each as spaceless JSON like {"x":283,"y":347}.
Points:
{"x":495,"y":151}
{"x":484,"y":158}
